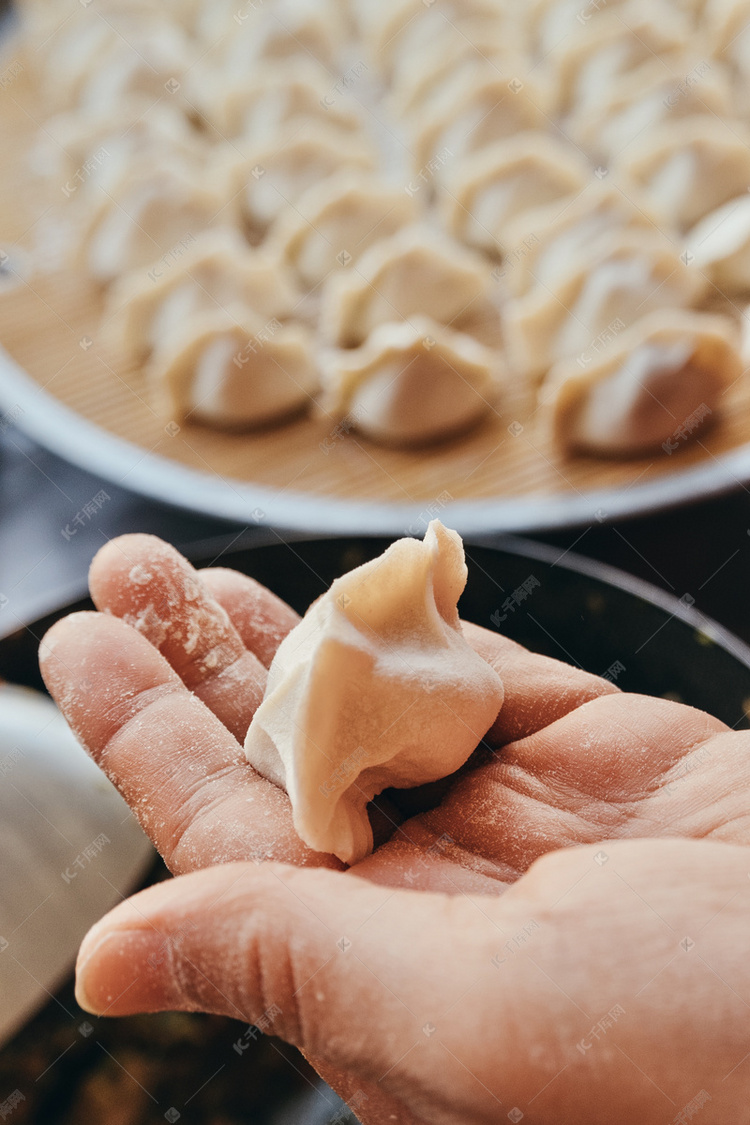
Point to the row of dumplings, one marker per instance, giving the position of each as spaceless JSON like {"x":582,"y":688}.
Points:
{"x":580,"y":64}
{"x":598,"y":264}
{"x":406,"y":299}
{"x":394,"y":318}
{"x":94,"y":59}
{"x":255,"y":352}
{"x":601,"y":72}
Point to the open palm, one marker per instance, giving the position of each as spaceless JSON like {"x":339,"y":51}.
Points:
{"x":161,"y":688}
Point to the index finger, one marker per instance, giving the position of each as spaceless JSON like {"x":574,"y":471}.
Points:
{"x":181,"y":771}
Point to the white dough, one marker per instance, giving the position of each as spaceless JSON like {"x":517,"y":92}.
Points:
{"x":591,"y":306}
{"x":720,"y":245}
{"x":687,"y":168}
{"x":375,"y":687}
{"x":148,"y":310}
{"x":504,"y":179}
{"x":412,"y":382}
{"x":418,"y":271}
{"x":233,"y":375}
{"x":654,"y":388}
{"x":150,"y":214}
{"x":337,"y":220}
{"x":545,"y":243}
{"x":276,"y":176}
{"x":469,"y":111}
{"x":260,"y":104}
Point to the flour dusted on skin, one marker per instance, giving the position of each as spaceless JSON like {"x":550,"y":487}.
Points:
{"x":148,"y":622}
{"x":139,"y":576}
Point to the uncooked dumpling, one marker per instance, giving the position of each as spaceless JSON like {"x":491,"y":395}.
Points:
{"x":415,"y":272}
{"x":152,"y":213}
{"x":600,"y":53}
{"x":656,"y":387}
{"x":261,"y":104}
{"x":720,"y":245}
{"x":550,"y":24}
{"x":588,"y":309}
{"x":543,"y":246}
{"x":504,"y":179}
{"x":448,"y":49}
{"x":149,"y":309}
{"x":151,"y":65}
{"x":687,"y":168}
{"x":233,"y":375}
{"x":83,"y":150}
{"x":375,"y":687}
{"x":276,"y":176}
{"x":293,"y":29}
{"x":412,"y":383}
{"x":728,"y":40}
{"x":240,"y":36}
{"x":397,"y":31}
{"x":472,"y":110}
{"x":98,"y":63}
{"x":336,"y":221}
{"x":653,"y":95}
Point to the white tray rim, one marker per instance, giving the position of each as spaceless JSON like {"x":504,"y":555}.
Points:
{"x":83,"y":443}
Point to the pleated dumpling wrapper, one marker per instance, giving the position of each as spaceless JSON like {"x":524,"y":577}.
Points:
{"x":654,"y":387}
{"x":412,"y":383}
{"x":375,"y":687}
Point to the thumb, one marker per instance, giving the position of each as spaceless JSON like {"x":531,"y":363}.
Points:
{"x":353,"y":973}
{"x":572,"y":997}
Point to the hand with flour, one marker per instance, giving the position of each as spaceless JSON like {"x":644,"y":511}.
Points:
{"x":475,"y":967}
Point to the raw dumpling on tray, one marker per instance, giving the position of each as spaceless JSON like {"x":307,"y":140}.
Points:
{"x":148,"y":214}
{"x":217,"y":271}
{"x":655,"y":388}
{"x":407,"y":218}
{"x":275,"y":175}
{"x":417,"y":272}
{"x":542,"y":243}
{"x":253,"y":108}
{"x":336,"y":221}
{"x":594,"y":302}
{"x":687,"y":168}
{"x":503,"y":180}
{"x":601,"y":52}
{"x":235,"y":374}
{"x":720,"y":246}
{"x":412,"y":382}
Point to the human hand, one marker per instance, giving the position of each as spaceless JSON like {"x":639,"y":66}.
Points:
{"x":581,"y":763}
